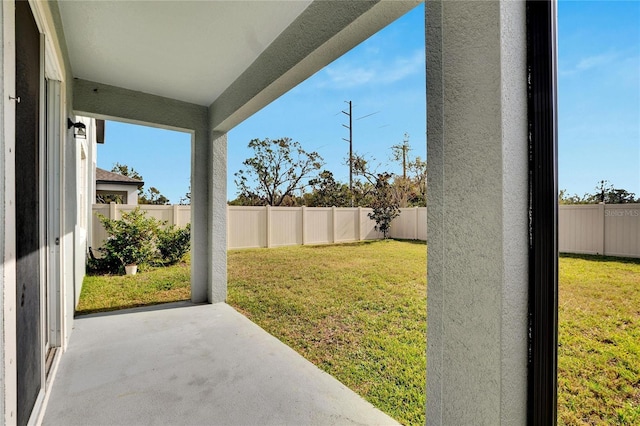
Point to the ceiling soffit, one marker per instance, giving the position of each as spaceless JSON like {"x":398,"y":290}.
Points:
{"x":185,"y":50}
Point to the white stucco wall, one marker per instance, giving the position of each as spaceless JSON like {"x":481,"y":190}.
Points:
{"x":84,"y":158}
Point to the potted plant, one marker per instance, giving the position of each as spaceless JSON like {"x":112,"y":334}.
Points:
{"x":130,"y":257}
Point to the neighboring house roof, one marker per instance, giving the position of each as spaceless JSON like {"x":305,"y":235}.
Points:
{"x":103,"y":176}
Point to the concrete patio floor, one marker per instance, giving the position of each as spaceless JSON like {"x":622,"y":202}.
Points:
{"x":186,"y":364}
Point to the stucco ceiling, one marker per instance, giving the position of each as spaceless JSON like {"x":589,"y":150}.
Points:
{"x":186,"y":50}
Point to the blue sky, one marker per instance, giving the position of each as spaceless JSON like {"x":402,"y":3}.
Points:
{"x":599,"y":94}
{"x":599,"y":106}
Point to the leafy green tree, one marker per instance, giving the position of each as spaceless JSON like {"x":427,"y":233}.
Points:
{"x":364,"y":186}
{"x":109,"y":198}
{"x":277,"y":170}
{"x":605,"y":192}
{"x":152,"y":196}
{"x":417,"y":173}
{"x":608,"y":194}
{"x":565,"y":198}
{"x":385,"y":204}
{"x":186,"y":200}
{"x":124,"y":170}
{"x":620,"y":196}
{"x":327,"y":192}
{"x":249,"y":199}
{"x":410,"y":188}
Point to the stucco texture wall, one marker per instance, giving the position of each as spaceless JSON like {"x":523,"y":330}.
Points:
{"x":477,"y":217}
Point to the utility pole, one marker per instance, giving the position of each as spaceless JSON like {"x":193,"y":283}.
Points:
{"x":350,"y":140}
{"x":405,"y":149}
{"x":402,"y":150}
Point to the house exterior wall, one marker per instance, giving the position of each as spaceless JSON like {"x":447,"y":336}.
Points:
{"x":74,"y":233}
{"x":84,"y":188}
{"x":72,"y":208}
{"x":130,"y":190}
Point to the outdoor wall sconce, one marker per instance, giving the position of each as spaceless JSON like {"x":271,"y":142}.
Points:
{"x":79,"y":129}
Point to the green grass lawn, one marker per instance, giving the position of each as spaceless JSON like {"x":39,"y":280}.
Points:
{"x":150,"y":286}
{"x":358,"y":312}
{"x":599,"y":341}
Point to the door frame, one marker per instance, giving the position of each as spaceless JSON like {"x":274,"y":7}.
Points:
{"x":9,"y":337}
{"x":53,"y":203}
{"x":51,"y":137}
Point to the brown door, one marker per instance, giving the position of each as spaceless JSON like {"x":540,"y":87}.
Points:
{"x":29,"y":351}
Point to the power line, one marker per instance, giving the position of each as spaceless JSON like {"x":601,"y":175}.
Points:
{"x":368,"y":115}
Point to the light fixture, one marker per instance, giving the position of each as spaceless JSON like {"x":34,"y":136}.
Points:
{"x":79,"y":129}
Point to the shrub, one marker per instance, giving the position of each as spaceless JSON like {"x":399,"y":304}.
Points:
{"x":102,"y":265}
{"x":174,"y":243}
{"x":132,"y":239}
{"x":138,"y":239}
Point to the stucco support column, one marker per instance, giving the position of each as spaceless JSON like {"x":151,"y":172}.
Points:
{"x":200,"y":178}
{"x":478,"y":212}
{"x":209,"y":217}
{"x":217,"y":283}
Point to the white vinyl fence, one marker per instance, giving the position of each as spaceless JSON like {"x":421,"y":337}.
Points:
{"x":249,"y":227}
{"x":612,"y":229}
{"x":606,"y":229}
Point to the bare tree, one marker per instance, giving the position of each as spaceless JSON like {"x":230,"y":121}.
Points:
{"x":278,"y":169}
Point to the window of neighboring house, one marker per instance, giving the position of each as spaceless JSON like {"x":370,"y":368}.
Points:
{"x":106,"y":197}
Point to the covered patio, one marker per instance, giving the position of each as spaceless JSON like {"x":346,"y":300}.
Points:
{"x":183,"y":363}
{"x":202,"y":68}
